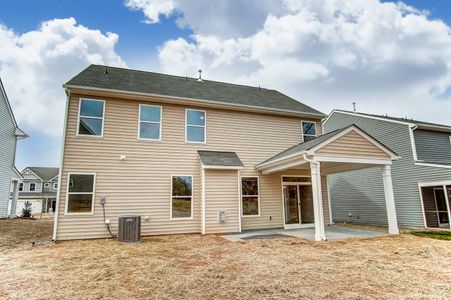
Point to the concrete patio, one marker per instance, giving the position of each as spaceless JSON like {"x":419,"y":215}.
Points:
{"x":334,"y":232}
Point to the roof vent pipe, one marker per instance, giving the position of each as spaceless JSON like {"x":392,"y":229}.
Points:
{"x":200,"y":75}
{"x":353,"y":105}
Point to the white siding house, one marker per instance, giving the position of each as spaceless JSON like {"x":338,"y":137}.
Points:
{"x":9,"y":134}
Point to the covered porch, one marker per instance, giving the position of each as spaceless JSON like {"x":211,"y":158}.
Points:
{"x":346,"y":149}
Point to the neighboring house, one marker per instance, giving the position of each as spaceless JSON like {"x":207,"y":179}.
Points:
{"x":421,"y":177}
{"x":38,"y":186}
{"x":9,"y":134}
{"x":198,"y":156}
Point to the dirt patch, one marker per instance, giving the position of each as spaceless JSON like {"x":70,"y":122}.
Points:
{"x":193,"y":267}
{"x":23,"y":232}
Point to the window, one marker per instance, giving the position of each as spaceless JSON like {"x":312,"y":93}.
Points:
{"x":296,"y":179}
{"x":90,"y":117}
{"x":55,"y":185}
{"x":308,"y":131}
{"x":80,"y":194}
{"x":20,"y":186}
{"x":195,"y":126}
{"x":149,"y":122}
{"x":32,"y":187}
{"x":442,"y":209}
{"x":46,"y":184}
{"x":181,"y":197}
{"x":249,"y":196}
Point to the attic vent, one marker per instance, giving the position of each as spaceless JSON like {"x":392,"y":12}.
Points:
{"x":200,"y":75}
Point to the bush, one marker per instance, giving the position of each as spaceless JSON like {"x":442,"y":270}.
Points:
{"x":26,"y":211}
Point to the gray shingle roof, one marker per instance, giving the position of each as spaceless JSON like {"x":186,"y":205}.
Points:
{"x":407,"y":120}
{"x":112,"y":78}
{"x":217,"y":158}
{"x":299,"y":148}
{"x":305,"y":145}
{"x":44,"y":172}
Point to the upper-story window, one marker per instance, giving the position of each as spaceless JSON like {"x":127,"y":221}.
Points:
{"x":20,"y":186}
{"x":46,"y":185}
{"x":55,"y":185}
{"x":308,"y":131}
{"x":90,"y":117}
{"x":32,"y":187}
{"x":149,"y":122}
{"x":195,"y":126}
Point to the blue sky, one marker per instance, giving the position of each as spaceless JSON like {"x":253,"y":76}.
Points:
{"x":223,"y":39}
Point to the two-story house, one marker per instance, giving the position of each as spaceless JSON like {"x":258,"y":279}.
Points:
{"x":197,"y":156}
{"x":38,"y":185}
{"x":9,"y":134}
{"x":421,"y":177}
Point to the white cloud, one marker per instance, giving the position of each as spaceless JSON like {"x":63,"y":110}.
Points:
{"x":387,"y":57}
{"x":34,"y":66}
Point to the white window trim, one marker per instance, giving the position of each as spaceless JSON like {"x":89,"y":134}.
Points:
{"x":200,"y":126}
{"x":23,"y":186}
{"x":150,"y":122}
{"x":78,"y":118}
{"x":192,"y":197}
{"x":66,"y":213}
{"x":436,"y":204}
{"x":55,"y":185}
{"x":29,"y":186}
{"x":241,"y":197}
{"x":302,"y":129}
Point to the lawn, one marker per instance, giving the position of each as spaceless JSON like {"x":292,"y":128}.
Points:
{"x":192,"y":266}
{"x":440,"y":235}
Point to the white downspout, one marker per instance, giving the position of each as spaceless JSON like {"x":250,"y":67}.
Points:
{"x":60,"y":173}
{"x":202,"y":203}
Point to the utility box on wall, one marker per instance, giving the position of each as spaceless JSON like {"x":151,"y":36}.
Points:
{"x":222,"y":216}
{"x":129,"y":229}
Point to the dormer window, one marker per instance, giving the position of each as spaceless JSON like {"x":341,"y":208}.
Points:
{"x":308,"y":131}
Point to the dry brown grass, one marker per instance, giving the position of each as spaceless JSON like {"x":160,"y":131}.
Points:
{"x":191,"y":266}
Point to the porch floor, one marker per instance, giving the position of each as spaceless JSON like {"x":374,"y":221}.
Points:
{"x":334,"y":232}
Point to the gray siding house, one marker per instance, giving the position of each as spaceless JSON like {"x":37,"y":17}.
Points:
{"x":9,"y":134}
{"x":421,"y":177}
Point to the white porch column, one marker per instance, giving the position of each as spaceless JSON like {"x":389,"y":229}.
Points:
{"x":447,"y":205}
{"x":317,"y":202}
{"x":390,"y":200}
{"x":12,"y":212}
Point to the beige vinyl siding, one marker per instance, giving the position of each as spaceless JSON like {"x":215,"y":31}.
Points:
{"x":221,"y":188}
{"x":353,"y":145}
{"x":141,"y":184}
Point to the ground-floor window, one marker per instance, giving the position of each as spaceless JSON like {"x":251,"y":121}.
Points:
{"x":442,"y":208}
{"x":250,"y":196}
{"x":80,"y":193}
{"x":181,"y":196}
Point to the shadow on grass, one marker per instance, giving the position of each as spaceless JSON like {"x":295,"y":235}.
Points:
{"x":439,"y":235}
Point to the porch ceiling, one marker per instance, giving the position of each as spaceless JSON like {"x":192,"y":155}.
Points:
{"x":345,"y":149}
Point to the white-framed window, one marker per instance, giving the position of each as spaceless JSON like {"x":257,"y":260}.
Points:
{"x":196,"y":126}
{"x":181,"y":197}
{"x":91,"y":117}
{"x":46,"y":184}
{"x":20,"y":186}
{"x":450,"y":140}
{"x":308,"y":130}
{"x":55,"y":185}
{"x":32,"y":187}
{"x":80,"y":193}
{"x":250,"y":196}
{"x":149,"y":127}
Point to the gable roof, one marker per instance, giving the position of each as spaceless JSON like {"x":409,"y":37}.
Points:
{"x":219,"y":159}
{"x":321,"y":140}
{"x":411,"y":122}
{"x":19,"y":132}
{"x":45,"y":173}
{"x":104,"y":78}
